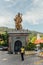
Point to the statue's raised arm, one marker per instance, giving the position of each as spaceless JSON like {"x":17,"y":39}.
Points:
{"x":18,"y":20}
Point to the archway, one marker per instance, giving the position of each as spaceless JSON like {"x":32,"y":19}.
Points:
{"x":17,"y":46}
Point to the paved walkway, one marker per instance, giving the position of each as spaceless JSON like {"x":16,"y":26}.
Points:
{"x":12,"y":59}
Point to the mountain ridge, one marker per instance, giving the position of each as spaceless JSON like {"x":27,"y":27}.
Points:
{"x":3,"y":29}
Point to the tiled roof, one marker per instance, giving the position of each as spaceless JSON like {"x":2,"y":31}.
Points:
{"x":38,"y":41}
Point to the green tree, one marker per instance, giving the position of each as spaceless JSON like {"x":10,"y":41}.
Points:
{"x":41,"y":45}
{"x":33,"y":39}
{"x":5,"y":38}
{"x":30,"y":46}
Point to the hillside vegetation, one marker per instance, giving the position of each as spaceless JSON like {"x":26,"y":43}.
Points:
{"x":31,"y":33}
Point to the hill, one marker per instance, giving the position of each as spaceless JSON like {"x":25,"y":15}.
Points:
{"x":32,"y":33}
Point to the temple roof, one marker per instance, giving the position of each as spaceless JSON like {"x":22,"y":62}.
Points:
{"x":18,"y":31}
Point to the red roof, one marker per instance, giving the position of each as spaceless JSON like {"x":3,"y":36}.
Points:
{"x":38,"y":41}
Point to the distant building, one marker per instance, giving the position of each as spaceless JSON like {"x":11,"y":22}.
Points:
{"x":38,"y":40}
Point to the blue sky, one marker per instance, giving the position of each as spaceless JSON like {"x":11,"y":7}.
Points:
{"x":32,"y":13}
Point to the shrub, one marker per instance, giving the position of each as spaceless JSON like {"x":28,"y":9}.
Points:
{"x":30,"y":46}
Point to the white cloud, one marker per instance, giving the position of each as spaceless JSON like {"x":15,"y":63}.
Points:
{"x":38,"y":3}
{"x":3,"y":20}
{"x":29,"y":17}
{"x":35,"y":14}
{"x":7,"y":0}
{"x":35,"y":1}
{"x":11,"y":3}
{"x":33,"y":17}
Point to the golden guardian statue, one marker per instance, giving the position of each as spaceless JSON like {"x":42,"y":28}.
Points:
{"x":18,"y":20}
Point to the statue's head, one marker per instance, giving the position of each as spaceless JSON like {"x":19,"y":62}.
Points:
{"x":18,"y":14}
